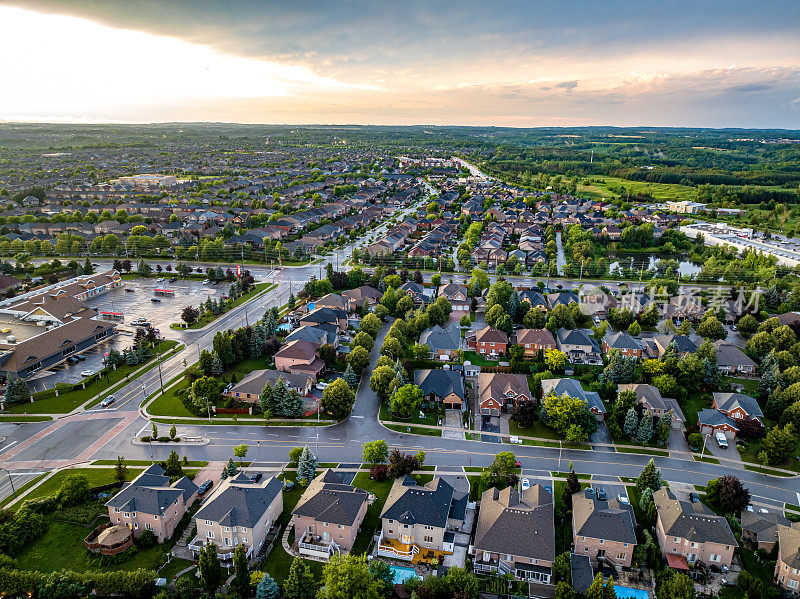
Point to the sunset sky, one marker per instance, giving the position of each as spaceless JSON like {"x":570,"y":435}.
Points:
{"x":709,"y":63}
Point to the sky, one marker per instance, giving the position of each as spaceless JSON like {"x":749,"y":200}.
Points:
{"x":703,"y":63}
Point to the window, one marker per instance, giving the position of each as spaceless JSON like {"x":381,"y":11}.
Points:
{"x":136,"y":526}
{"x":227,"y":529}
{"x":486,"y":556}
{"x":244,"y":540}
{"x":714,"y":557}
{"x":676,"y":539}
{"x":226,"y":541}
{"x":341,"y":526}
{"x":620,"y":555}
{"x":234,"y":529}
{"x":148,"y":526}
{"x":209,"y":534}
{"x":429,"y":539}
{"x":507,"y":557}
{"x":601,"y":541}
{"x":133,"y":515}
{"x":624,"y":544}
{"x":209,"y":523}
{"x":694,"y":545}
{"x":792,"y":584}
{"x":116,"y":510}
{"x":127,"y":515}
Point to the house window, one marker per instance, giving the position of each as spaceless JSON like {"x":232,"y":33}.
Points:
{"x":486,"y":556}
{"x":714,"y":557}
{"x":601,"y":541}
{"x":133,"y":514}
{"x":792,"y":584}
{"x":694,"y":545}
{"x":127,"y":515}
{"x":209,"y":523}
{"x":148,"y":526}
{"x":209,"y":534}
{"x":676,"y":539}
{"x":429,"y":539}
{"x":227,"y":529}
{"x":155,"y":517}
{"x":116,"y":510}
{"x":136,"y":526}
{"x":508,"y":557}
{"x":244,"y":540}
{"x":620,"y":555}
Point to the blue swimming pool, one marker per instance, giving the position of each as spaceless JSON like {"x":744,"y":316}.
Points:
{"x":401,"y":574}
{"x":629,"y":593}
{"x":310,"y":306}
{"x":286,"y":327}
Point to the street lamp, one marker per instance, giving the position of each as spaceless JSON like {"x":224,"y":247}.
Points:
{"x":10,"y":481}
{"x":702,"y":453}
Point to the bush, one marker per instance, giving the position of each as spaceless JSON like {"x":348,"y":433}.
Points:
{"x":145,"y":439}
{"x":379,"y":472}
{"x":176,"y":440}
{"x":146,"y":540}
{"x":695,"y":441}
{"x":163,"y":439}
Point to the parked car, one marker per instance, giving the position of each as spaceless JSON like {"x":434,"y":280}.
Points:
{"x":733,"y":327}
{"x":160,"y":280}
{"x":518,"y":464}
{"x":601,"y":493}
{"x":722,"y":440}
{"x":623,"y":499}
{"x":590,"y":493}
{"x":205,"y":281}
{"x":86,"y":373}
{"x":322,"y":385}
{"x":108,"y":401}
{"x":525,"y":484}
{"x":173,"y":279}
{"x":80,"y":357}
{"x":256,"y":476}
{"x":155,"y":300}
{"x":72,"y":360}
{"x":129,"y":290}
{"x":514,"y":439}
{"x":203,"y":488}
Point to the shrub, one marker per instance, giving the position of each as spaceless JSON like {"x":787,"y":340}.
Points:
{"x":695,"y":441}
{"x":145,"y":439}
{"x":379,"y":472}
{"x":163,"y":439}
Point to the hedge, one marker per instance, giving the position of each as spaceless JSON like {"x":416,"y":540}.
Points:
{"x":18,"y":582}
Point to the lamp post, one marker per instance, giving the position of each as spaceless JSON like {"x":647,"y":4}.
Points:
{"x":10,"y":481}
{"x":702,"y":453}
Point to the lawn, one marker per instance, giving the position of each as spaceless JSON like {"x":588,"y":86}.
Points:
{"x":694,"y":403}
{"x":750,"y":385}
{"x":478,"y":360}
{"x":191,"y":464}
{"x":23,"y":418}
{"x":97,"y":477}
{"x":68,"y":401}
{"x":563,"y":525}
{"x":372,"y":521}
{"x":169,"y":404}
{"x":431,"y":418}
{"x":415,"y":430}
{"x":537,"y":429}
{"x":599,"y":188}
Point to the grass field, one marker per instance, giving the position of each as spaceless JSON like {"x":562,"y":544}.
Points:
{"x":66,"y":402}
{"x":599,"y":187}
{"x":97,"y":477}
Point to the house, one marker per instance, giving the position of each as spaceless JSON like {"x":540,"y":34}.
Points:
{"x":691,"y":532}
{"x":564,"y":298}
{"x":240,"y":512}
{"x":250,"y":387}
{"x":328,"y":516}
{"x":682,"y":344}
{"x":760,"y":529}
{"x":574,"y":389}
{"x":534,"y":341}
{"x":727,"y":413}
{"x":322,"y":334}
{"x":488,"y":341}
{"x":649,"y":397}
{"x":604,"y":531}
{"x":787,"y":566}
{"x":418,"y":521}
{"x":624,"y":343}
{"x":579,"y":346}
{"x":150,"y":502}
{"x":331,"y":300}
{"x":418,"y":293}
{"x":498,"y":391}
{"x":444,"y":342}
{"x":515,"y":534}
{"x":534,"y":298}
{"x":443,"y":386}
{"x":299,"y":356}
{"x":457,"y":295}
{"x":731,"y":360}
{"x":323,"y":315}
{"x":360,"y":296}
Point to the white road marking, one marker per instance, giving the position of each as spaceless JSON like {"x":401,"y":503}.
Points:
{"x":9,"y":445}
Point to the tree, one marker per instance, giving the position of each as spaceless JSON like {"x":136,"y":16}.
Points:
{"x":729,"y":493}
{"x":560,"y":412}
{"x":573,"y":485}
{"x":747,"y":325}
{"x":370,"y":324}
{"x":306,"y":467}
{"x":294,"y":455}
{"x":555,"y":360}
{"x":631,"y":423}
{"x":338,"y":399}
{"x":634,"y":329}
{"x":120,"y":470}
{"x":349,"y":576}
{"x":675,"y":585}
{"x":665,"y":427}
{"x":210,"y":570}
{"x":190,"y":315}
{"x":267,"y":588}
{"x":240,"y":451}
{"x":391,"y":347}
{"x":406,"y":400}
{"x":524,"y":413}
{"x":560,"y":318}
{"x":375,"y":452}
{"x":401,"y":463}
{"x":230,"y":468}
{"x":143,"y":269}
{"x":779,"y":444}
{"x":172,"y":465}
{"x":711,"y":328}
{"x":363,"y":339}
{"x":645,"y":431}
{"x":381,"y":381}
{"x":74,"y":490}
{"x":300,"y":582}
{"x":649,"y":478}
{"x":242,"y":576}
{"x":173,"y":432}
{"x":563,"y":591}
{"x":350,"y":376}
{"x":17,"y":391}
{"x":358,"y":358}
{"x":501,"y":472}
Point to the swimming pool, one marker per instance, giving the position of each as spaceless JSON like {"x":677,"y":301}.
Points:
{"x":310,"y":306}
{"x":401,"y":574}
{"x":629,"y":593}
{"x":286,"y":327}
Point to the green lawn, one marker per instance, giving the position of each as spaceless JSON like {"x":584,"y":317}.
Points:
{"x":191,"y":464}
{"x":169,"y":404}
{"x":372,"y":521}
{"x":478,"y":360}
{"x":68,"y":401}
{"x":644,"y":450}
{"x":97,"y":477}
{"x":694,"y":403}
{"x":599,"y":188}
{"x":537,"y":429}
{"x":415,"y":430}
{"x":24,"y":418}
{"x":750,"y":385}
{"x":431,"y":418}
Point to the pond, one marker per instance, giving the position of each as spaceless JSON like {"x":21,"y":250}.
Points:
{"x":636,"y":261}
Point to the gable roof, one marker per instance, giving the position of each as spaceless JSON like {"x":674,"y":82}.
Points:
{"x":731,"y":356}
{"x":436,"y":337}
{"x":440,"y":382}
{"x":151,"y":493}
{"x":410,"y":503}
{"x":607,"y":520}
{"x":622,"y":340}
{"x":692,"y":521}
{"x":728,"y":402}
{"x":574,"y":389}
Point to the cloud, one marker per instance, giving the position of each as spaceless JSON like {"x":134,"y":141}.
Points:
{"x":567,"y":85}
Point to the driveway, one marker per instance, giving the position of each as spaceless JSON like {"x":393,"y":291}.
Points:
{"x":677,"y":443}
{"x":452,"y":419}
{"x":601,"y":436}
{"x":730,"y":453}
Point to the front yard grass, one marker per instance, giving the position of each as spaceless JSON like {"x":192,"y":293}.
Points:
{"x":537,"y":429}
{"x":97,"y":477}
{"x":414,"y":430}
{"x":696,"y":401}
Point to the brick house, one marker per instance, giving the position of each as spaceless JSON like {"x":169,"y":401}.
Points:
{"x":605,"y":531}
{"x":649,"y":397}
{"x":498,"y":391}
{"x":299,"y":356}
{"x":624,"y":343}
{"x":732,"y":360}
{"x":443,"y":386}
{"x":488,"y":341}
{"x":516,"y":534}
{"x":150,"y":502}
{"x":787,"y":567}
{"x":250,"y":387}
{"x":328,"y":516}
{"x":240,"y":512}
{"x":760,"y":529}
{"x":727,"y":412}
{"x":691,"y":532}
{"x":444,"y":342}
{"x":534,"y":340}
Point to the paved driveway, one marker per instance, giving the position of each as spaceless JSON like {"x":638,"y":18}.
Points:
{"x":601,"y":436}
{"x":452,"y":418}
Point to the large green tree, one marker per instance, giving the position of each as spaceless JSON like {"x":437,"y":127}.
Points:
{"x":349,"y":576}
{"x":300,"y":583}
{"x":210,"y":570}
{"x":338,"y":399}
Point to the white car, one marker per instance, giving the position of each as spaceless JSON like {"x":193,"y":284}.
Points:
{"x":206,"y":281}
{"x":160,"y":280}
{"x":322,"y":386}
{"x":87,"y":373}
{"x":525,"y":484}
{"x":514,"y":439}
{"x":623,"y":499}
{"x":108,"y":401}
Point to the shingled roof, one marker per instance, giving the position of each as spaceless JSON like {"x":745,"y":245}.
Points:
{"x":240,"y":501}
{"x":691,"y":521}
{"x":410,"y":503}
{"x":151,"y":493}
{"x":519,"y":524}
{"x":328,"y":499}
{"x":607,"y":520}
